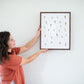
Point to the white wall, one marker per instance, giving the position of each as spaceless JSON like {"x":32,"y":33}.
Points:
{"x":22,"y":17}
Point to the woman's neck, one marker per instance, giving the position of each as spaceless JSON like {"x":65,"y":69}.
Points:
{"x":9,"y":50}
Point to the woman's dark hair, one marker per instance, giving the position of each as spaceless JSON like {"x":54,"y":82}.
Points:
{"x":4,"y":37}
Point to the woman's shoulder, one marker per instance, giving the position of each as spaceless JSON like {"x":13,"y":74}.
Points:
{"x":16,"y":50}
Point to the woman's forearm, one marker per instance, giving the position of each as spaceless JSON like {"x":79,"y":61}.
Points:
{"x":34,"y":56}
{"x":31,"y":43}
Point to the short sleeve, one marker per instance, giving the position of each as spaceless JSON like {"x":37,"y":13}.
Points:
{"x":16,"y":49}
{"x":14,"y":62}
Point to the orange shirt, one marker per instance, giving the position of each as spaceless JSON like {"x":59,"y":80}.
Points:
{"x":12,"y":70}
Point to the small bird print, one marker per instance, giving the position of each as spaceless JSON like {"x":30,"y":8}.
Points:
{"x":58,"y":30}
{"x":50,"y":24}
{"x":54,"y":21}
{"x":44,"y":16}
{"x":64,"y":29}
{"x":56,"y":34}
{"x":45,"y":35}
{"x":46,"y":22}
{"x":65,"y":23}
{"x":65,"y":17}
{"x":59,"y":42}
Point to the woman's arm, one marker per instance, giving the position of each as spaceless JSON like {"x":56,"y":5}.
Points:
{"x":33,"y":41}
{"x":31,"y":58}
{"x":28,"y":45}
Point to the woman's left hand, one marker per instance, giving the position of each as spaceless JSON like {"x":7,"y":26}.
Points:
{"x":38,"y":32}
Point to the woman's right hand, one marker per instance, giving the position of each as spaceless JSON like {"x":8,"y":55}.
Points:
{"x":44,"y":50}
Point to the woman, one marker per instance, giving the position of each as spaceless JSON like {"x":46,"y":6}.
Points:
{"x":11,"y":71}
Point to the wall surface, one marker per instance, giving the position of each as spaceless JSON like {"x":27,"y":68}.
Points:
{"x":22,"y":17}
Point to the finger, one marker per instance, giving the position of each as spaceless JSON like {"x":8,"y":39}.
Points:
{"x":38,"y":29}
{"x":39,"y":26}
{"x":46,"y":49}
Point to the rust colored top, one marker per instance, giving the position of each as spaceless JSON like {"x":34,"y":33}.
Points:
{"x":11,"y":69}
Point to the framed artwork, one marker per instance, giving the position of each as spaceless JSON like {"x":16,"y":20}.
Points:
{"x":55,"y":31}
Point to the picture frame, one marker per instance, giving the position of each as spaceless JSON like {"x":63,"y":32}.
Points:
{"x":55,"y":31}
